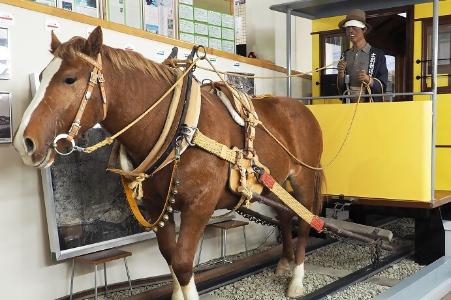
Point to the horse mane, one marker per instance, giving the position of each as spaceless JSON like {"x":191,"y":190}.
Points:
{"x":120,"y":59}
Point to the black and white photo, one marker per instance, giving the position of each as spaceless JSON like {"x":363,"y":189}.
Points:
{"x":5,"y":118}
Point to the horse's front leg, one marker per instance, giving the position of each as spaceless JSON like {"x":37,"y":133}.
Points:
{"x":166,"y":238}
{"x":193,"y":222}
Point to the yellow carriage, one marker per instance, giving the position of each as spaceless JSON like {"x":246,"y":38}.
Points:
{"x":394,"y":154}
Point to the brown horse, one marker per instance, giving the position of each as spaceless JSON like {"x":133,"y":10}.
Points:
{"x":132,"y":84}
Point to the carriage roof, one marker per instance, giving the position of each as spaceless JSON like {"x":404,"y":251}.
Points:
{"x":316,"y":9}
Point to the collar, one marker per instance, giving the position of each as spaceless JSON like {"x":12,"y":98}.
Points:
{"x":365,"y":48}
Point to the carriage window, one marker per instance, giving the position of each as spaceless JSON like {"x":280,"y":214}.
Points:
{"x":391,"y":66}
{"x":444,"y":57}
{"x":332,"y":47}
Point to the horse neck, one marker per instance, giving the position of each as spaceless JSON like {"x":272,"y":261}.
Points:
{"x":129,"y":94}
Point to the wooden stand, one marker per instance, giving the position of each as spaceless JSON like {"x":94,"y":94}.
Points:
{"x":224,"y":226}
{"x":101,"y":257}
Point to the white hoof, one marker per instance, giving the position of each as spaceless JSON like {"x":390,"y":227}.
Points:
{"x":177,"y":293}
{"x":296,"y":287}
{"x":284,"y":266}
{"x":295,"y":290}
{"x":190,"y":291}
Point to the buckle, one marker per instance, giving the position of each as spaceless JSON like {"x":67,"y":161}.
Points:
{"x":93,"y":78}
{"x":100,"y":78}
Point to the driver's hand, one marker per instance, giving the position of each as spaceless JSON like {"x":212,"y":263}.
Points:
{"x":362,"y":76}
{"x":341,"y":66}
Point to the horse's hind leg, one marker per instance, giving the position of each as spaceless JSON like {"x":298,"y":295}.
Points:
{"x":304,"y":188}
{"x":285,"y":263}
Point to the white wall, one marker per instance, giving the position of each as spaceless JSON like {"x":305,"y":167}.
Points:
{"x":27,"y":271}
{"x":266,"y":36}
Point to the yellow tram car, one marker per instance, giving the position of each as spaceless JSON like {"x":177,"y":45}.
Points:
{"x":391,"y":155}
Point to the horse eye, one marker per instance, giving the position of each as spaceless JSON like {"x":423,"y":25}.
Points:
{"x":70,"y":80}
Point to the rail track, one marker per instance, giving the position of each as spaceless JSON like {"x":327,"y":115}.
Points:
{"x":335,"y":269}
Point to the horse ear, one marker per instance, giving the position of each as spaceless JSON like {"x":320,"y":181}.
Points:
{"x":94,"y":42}
{"x":55,"y":43}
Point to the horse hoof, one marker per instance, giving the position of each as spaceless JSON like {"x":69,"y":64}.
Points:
{"x":295,"y":291}
{"x":283,"y":267}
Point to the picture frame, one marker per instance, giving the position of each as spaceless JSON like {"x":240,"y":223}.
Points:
{"x":5,"y":118}
{"x":86,"y":208}
{"x":5,"y":54}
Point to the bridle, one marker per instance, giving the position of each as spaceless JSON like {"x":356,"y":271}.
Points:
{"x":95,"y":78}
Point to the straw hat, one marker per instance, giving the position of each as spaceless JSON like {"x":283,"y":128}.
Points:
{"x":355,"y":15}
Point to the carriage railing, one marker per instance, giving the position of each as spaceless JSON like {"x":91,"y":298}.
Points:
{"x":390,"y":96}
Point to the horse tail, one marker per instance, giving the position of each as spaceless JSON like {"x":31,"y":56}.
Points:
{"x":318,"y":199}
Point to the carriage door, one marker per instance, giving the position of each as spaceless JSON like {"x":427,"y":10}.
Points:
{"x":332,"y":46}
{"x":392,"y":31}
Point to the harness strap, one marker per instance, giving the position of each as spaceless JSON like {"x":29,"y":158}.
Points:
{"x":267,"y":180}
{"x":153,"y":154}
{"x":96,"y":77}
{"x":313,"y":220}
{"x":214,"y":147}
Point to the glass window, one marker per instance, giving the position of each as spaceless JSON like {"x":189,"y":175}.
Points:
{"x":391,"y":66}
{"x":333,"y":49}
{"x":444,"y":57}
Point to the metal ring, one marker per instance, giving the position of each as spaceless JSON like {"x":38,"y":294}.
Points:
{"x":203,"y":50}
{"x":61,"y":137}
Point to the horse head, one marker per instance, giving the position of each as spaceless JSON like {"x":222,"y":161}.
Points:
{"x":60,"y":109}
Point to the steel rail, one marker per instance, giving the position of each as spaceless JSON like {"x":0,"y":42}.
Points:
{"x":357,"y":276}
{"x":216,"y":283}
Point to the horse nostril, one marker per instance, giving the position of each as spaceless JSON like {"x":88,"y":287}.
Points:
{"x":29,"y":145}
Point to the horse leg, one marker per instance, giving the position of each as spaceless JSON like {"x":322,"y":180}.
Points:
{"x":296,"y":286}
{"x":166,"y":238}
{"x":191,"y":228}
{"x":306,"y":192}
{"x":284,"y":265}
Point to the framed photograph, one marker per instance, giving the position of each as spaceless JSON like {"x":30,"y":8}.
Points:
{"x":5,"y":118}
{"x":5,"y":54}
{"x":86,"y":207}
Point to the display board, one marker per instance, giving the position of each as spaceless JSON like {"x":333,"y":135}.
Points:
{"x":86,"y":7}
{"x":46,"y":2}
{"x":127,"y":12}
{"x":207,"y":22}
{"x":158,"y":16}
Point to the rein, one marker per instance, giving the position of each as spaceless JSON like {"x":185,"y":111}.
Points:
{"x":95,"y":78}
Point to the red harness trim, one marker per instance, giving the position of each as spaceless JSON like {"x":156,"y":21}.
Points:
{"x":267,"y":180}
